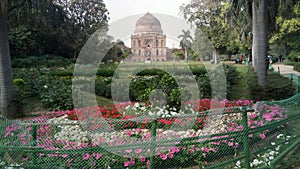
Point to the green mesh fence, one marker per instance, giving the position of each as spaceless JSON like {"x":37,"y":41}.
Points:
{"x":294,"y":78}
{"x":264,"y":136}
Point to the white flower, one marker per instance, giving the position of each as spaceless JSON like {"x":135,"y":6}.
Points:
{"x":255,"y":162}
{"x":280,"y":135}
{"x":271,"y":157}
{"x":273,"y":143}
{"x":272,"y":153}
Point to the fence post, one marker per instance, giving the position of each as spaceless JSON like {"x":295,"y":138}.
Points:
{"x":153,"y":143}
{"x":34,"y":134}
{"x":298,"y":84}
{"x":33,"y":144}
{"x":246,"y":138}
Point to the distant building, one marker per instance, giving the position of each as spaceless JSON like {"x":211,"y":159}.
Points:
{"x":148,"y":41}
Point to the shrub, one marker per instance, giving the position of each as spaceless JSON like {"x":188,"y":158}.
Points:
{"x":54,"y":92}
{"x":41,"y":61}
{"x":297,"y":67}
{"x":232,"y":78}
{"x":294,"y":56}
{"x":103,"y":86}
{"x":69,"y":72}
{"x":277,"y":88}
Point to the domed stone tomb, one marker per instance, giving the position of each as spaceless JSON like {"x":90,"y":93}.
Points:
{"x":148,"y":43}
{"x":148,"y":24}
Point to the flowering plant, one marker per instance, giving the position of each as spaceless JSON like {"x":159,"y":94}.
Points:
{"x":133,"y":129}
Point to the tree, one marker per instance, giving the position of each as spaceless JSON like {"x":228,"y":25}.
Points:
{"x":285,"y":41}
{"x":85,"y":17}
{"x":263,"y":14}
{"x":7,"y":93}
{"x":211,"y":17}
{"x":185,"y":42}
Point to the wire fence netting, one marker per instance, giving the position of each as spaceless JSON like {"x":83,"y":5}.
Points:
{"x":263,"y":136}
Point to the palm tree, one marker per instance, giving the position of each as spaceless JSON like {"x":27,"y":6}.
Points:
{"x":7,"y":107}
{"x":260,"y":40}
{"x":263,"y":14}
{"x":7,"y":93}
{"x":185,"y":42}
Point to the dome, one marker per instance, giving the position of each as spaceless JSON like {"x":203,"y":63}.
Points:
{"x":148,"y":24}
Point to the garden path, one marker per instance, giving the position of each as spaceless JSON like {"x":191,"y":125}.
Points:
{"x":284,"y":69}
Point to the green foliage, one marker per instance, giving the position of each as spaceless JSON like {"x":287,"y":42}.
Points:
{"x":277,"y":88}
{"x":211,"y":18}
{"x":232,"y":78}
{"x":41,"y":61}
{"x":23,"y":41}
{"x":20,"y":84}
{"x":54,"y":92}
{"x":19,"y":95}
{"x":297,"y":67}
{"x":69,"y":72}
{"x":103,"y":87}
{"x":285,"y":41}
{"x":54,"y":27}
{"x":294,"y":56}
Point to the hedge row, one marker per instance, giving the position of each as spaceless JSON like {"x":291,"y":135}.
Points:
{"x":277,"y":88}
{"x":41,"y":61}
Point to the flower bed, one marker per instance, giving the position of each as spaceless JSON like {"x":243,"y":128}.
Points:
{"x":125,"y":139}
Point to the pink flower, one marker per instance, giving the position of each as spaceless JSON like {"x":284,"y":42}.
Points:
{"x":163,"y":156}
{"x":25,"y":159}
{"x":126,"y":163}
{"x":128,"y":133}
{"x":142,"y":158}
{"x":253,"y":115}
{"x":64,"y":155}
{"x":138,"y":151}
{"x":86,"y":156}
{"x":268,"y":116}
{"x":148,"y":164}
{"x":230,"y":144}
{"x":262,"y":136}
{"x":128,"y":151}
{"x":98,"y":155}
{"x":204,"y":149}
{"x":250,"y":135}
{"x":260,"y":123}
{"x":170,"y":155}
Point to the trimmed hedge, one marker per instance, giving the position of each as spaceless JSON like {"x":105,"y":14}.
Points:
{"x":41,"y":61}
{"x":277,"y":88}
{"x":68,"y":72}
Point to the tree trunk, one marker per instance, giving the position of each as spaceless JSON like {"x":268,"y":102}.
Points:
{"x":7,"y":97}
{"x":185,"y":54}
{"x":259,"y":45}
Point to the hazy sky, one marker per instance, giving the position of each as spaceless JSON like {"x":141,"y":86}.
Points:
{"x":122,"y":8}
{"x":125,"y":13}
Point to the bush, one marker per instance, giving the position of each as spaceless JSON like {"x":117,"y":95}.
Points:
{"x":297,"y":67}
{"x":103,"y":87}
{"x":232,"y":78}
{"x":294,"y":56}
{"x":69,"y":72}
{"x":277,"y":88}
{"x":54,"y":92}
{"x":41,"y":61}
